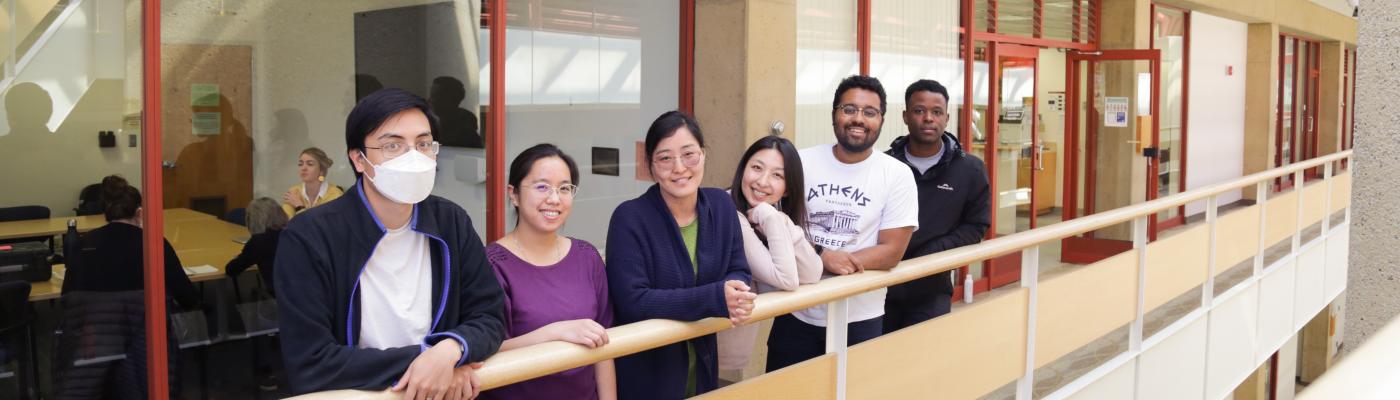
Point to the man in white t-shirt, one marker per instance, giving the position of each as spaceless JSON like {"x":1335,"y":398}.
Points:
{"x":862,"y":208}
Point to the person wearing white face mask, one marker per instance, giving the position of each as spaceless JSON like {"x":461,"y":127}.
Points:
{"x":387,"y":286}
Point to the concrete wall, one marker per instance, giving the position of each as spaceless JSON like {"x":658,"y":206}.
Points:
{"x":1215,"y":143}
{"x":1375,"y":248}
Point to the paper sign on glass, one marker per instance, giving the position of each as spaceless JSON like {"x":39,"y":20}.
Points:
{"x":1115,"y":112}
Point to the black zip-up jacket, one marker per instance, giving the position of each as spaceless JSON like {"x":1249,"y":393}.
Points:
{"x":955,"y":209}
{"x":320,"y":258}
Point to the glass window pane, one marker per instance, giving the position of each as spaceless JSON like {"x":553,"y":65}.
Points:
{"x":71,"y":117}
{"x":596,"y":74}
{"x":826,"y":53}
{"x":248,"y":87}
{"x":1287,"y":113}
{"x":1016,"y":17}
{"x":915,"y":39}
{"x":1169,"y":36}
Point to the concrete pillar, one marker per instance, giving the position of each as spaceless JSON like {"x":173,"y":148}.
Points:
{"x":745,"y":77}
{"x":1121,"y":177}
{"x":1329,"y":102}
{"x":1375,"y":249}
{"x":1261,"y":99}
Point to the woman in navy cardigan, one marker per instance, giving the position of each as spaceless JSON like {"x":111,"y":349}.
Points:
{"x":676,"y":253}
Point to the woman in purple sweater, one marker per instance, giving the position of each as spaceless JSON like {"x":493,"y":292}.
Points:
{"x":555,"y":287}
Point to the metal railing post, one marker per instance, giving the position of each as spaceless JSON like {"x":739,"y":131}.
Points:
{"x":1261,"y":193}
{"x":1135,"y":333}
{"x":1030,"y":279}
{"x":1212,"y":219}
{"x":836,"y":338}
{"x":1298,"y":214}
{"x":1327,"y":202}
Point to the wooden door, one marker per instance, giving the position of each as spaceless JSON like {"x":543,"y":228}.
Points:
{"x":206,"y":147}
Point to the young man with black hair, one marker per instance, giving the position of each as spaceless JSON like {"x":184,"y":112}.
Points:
{"x":954,"y":198}
{"x":387,"y":286}
{"x":861,"y":210}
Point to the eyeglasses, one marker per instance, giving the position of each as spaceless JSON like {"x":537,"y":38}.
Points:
{"x":395,"y":149}
{"x":850,"y":110}
{"x":565,"y":191}
{"x":919,"y":112}
{"x":690,"y":158}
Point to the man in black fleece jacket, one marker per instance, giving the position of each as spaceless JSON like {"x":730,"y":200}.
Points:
{"x":954,"y":202}
{"x":387,"y":286}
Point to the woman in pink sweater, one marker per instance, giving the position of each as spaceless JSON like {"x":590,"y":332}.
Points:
{"x":771,"y":218}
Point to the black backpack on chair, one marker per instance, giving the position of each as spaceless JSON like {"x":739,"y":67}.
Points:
{"x":90,"y":200}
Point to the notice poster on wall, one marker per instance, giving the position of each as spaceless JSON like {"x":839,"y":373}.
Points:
{"x":1115,"y":113}
{"x":204,"y":95}
{"x":205,"y":123}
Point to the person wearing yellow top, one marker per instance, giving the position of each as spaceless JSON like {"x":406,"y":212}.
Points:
{"x":313,"y":189}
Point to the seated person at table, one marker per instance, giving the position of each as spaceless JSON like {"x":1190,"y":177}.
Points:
{"x":114,"y":261}
{"x":313,"y":190}
{"x":387,"y":286}
{"x":265,"y":222}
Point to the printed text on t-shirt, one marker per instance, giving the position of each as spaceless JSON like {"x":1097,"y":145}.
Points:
{"x":851,"y":192}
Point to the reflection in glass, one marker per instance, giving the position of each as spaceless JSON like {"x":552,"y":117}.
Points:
{"x":915,"y":39}
{"x":1169,"y":30}
{"x":826,"y":53}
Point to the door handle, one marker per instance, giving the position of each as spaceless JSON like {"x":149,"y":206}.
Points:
{"x":1040,"y":157}
{"x":167,"y":164}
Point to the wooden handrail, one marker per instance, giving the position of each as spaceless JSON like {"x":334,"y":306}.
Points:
{"x":547,"y":358}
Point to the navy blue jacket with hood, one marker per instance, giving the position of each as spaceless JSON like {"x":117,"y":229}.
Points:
{"x":955,"y":209}
{"x":650,"y":276}
{"x":321,"y":256}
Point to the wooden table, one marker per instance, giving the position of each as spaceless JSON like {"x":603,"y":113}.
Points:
{"x":198,"y":239}
{"x":48,"y":227}
{"x":58,"y":225}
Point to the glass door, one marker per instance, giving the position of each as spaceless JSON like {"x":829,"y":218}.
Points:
{"x":1298,"y":87}
{"x":1014,"y":149}
{"x":1112,"y":137}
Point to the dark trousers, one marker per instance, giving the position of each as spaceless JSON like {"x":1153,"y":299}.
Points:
{"x":793,"y":341}
{"x":903,"y":314}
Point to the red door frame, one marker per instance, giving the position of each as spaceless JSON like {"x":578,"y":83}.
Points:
{"x":1180,"y":218}
{"x":1088,"y":249}
{"x":496,"y":119}
{"x":1302,"y":135}
{"x":970,"y":36}
{"x":1346,"y":100}
{"x":153,"y":236}
{"x":1314,"y":115}
{"x":1006,"y":269}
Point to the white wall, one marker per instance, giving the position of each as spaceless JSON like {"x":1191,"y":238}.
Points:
{"x":1215,"y":142}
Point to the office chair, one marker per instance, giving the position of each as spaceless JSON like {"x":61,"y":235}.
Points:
{"x":16,"y":336}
